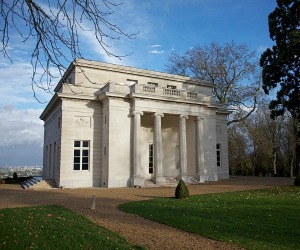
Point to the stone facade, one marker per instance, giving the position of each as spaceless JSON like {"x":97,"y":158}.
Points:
{"x":117,"y":126}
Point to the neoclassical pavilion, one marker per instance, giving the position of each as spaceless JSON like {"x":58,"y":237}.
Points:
{"x":116,"y":126}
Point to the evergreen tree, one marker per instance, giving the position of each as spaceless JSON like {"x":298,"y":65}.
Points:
{"x":281,"y":63}
{"x":182,"y":191}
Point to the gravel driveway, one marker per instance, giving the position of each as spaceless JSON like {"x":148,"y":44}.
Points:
{"x":134,"y":228}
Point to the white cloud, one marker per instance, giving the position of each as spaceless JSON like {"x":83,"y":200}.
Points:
{"x":20,"y":127}
{"x":155,"y":46}
{"x":93,"y":45}
{"x":15,"y":83}
{"x":156,"y":51}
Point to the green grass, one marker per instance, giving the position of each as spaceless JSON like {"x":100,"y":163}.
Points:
{"x":54,"y":227}
{"x":258,"y":219}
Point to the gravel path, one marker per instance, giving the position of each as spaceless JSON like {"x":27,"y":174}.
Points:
{"x":134,"y":228}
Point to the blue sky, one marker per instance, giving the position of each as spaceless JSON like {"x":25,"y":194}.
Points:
{"x":163,"y":26}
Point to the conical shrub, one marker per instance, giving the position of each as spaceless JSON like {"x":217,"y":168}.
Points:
{"x":182,"y":191}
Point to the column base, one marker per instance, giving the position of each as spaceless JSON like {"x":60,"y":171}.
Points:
{"x":206,"y":178}
{"x":186,"y":179}
{"x":159,"y":180}
{"x":203,"y":178}
{"x":137,"y":181}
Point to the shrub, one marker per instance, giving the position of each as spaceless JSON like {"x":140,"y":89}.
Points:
{"x":15,"y":175}
{"x":297,"y":180}
{"x":182,"y":191}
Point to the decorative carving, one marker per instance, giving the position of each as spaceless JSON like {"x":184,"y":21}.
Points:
{"x":133,"y":113}
{"x":198,"y":118}
{"x":183,"y":117}
{"x":83,"y":121}
{"x":159,"y":114}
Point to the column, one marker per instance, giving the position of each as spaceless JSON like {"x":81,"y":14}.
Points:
{"x":136,"y":179}
{"x":199,"y":150}
{"x":158,"y":178}
{"x":182,"y":148}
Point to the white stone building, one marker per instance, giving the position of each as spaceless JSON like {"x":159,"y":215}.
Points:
{"x":115,"y":126}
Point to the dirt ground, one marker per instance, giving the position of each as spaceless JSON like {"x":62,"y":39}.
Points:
{"x":134,"y":228}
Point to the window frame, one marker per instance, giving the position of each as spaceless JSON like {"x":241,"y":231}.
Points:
{"x":219,"y":157}
{"x":151,"y":159}
{"x":81,"y":155}
{"x":131,"y":81}
{"x":152,"y":84}
{"x":171,"y":86}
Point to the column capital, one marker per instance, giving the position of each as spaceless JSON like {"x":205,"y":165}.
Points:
{"x":159,"y":114}
{"x":133,"y":113}
{"x":199,"y":118}
{"x":183,"y":117}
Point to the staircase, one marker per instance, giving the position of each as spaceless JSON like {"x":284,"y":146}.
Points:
{"x":36,"y":183}
{"x":170,"y":182}
{"x":194,"y":181}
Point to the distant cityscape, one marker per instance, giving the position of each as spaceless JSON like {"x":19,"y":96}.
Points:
{"x":22,"y":171}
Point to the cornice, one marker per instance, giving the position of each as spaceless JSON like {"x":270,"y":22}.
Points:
{"x":138,"y":72}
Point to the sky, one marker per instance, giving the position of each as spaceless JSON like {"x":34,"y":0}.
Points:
{"x":163,"y":27}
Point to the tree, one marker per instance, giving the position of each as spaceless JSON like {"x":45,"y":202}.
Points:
{"x":237,"y":150}
{"x":288,"y":142}
{"x":55,"y":29}
{"x":281,"y":64}
{"x":233,"y":70}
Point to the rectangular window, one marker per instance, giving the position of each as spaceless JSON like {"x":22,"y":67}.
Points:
{"x":218,"y":155}
{"x":151,"y":157}
{"x":153,"y":84}
{"x":131,"y":82}
{"x":81,"y":155}
{"x":171,"y":87}
{"x":54,"y":156}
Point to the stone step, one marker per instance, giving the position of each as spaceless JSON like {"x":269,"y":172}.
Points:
{"x":170,"y":182}
{"x":34,"y":183}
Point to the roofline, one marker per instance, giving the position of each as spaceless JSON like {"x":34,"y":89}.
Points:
{"x":62,"y":80}
{"x":50,"y":104}
{"x":128,"y":69}
{"x":137,"y":71}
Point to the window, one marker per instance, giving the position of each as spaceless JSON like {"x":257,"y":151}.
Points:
{"x":54,"y":156}
{"x":218,"y":155}
{"x":131,"y":82}
{"x":151,"y":156}
{"x":171,"y":87}
{"x":81,"y":155}
{"x":153,"y":84}
{"x":58,"y":122}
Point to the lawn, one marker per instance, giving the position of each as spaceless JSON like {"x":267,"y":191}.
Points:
{"x":258,"y":219}
{"x":54,"y":227}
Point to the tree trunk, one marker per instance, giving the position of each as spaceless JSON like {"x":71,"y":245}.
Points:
{"x":274,"y":162}
{"x":292,"y":164}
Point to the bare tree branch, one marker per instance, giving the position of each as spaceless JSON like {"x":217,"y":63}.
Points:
{"x":233,"y":70}
{"x":55,"y":28}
